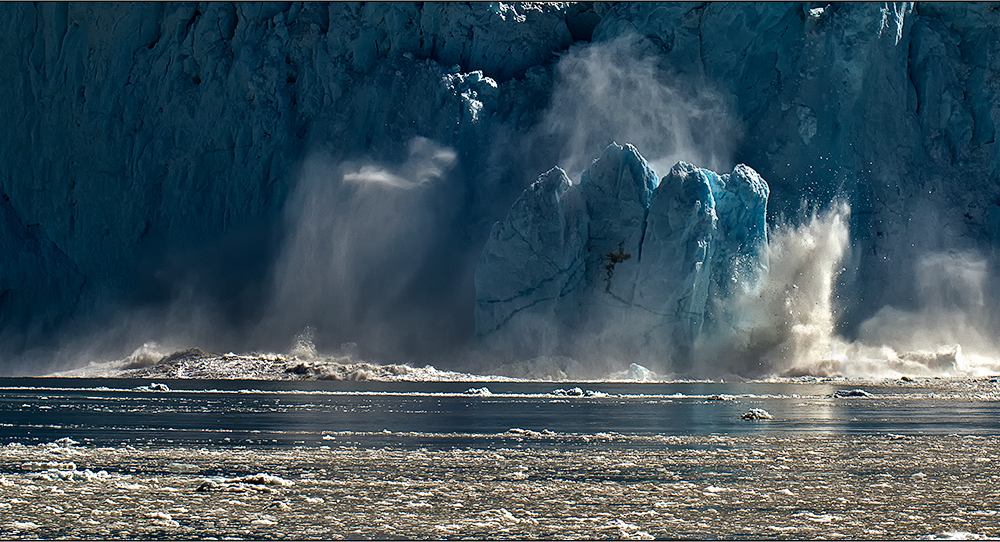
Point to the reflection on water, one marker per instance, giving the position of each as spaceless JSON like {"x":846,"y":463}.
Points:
{"x":286,"y":413}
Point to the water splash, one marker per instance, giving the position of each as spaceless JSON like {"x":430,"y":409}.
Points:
{"x":785,"y":322}
{"x":785,"y":325}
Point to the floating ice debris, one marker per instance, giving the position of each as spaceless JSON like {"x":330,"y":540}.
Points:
{"x":851,"y":393}
{"x":24,"y":525}
{"x":577,"y":392}
{"x":517,"y":431}
{"x":264,"y":479}
{"x":757,"y":414}
{"x":256,"y":482}
{"x":183,"y":468}
{"x":70,"y":475}
{"x":720,"y":397}
{"x":162,"y":519}
{"x":955,"y":535}
{"x":478,"y":391}
{"x":47,"y":465}
{"x":67,"y":442}
{"x":716,"y":489}
{"x":572,"y":392}
{"x":155,"y":386}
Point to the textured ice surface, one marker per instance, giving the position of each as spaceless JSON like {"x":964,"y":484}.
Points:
{"x":621,"y":253}
{"x":615,"y":486}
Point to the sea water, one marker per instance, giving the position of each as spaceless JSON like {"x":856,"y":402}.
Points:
{"x":199,"y":458}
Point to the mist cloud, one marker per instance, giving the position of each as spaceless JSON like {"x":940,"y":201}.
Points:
{"x":425,"y":164}
{"x":621,"y":91}
{"x":362,"y":241}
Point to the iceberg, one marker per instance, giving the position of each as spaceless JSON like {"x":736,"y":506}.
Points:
{"x":621,"y":254}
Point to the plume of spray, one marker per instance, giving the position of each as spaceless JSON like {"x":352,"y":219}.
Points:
{"x":361,"y":238}
{"x":783,"y":323}
{"x":949,"y":332}
{"x":621,"y":90}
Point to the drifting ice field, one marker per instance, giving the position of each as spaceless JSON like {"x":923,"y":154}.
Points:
{"x":197,"y":459}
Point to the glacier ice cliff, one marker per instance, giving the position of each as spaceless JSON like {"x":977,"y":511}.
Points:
{"x":156,"y":158}
{"x":621,"y":256}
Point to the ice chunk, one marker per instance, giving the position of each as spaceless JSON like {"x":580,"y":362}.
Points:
{"x":851,"y":393}
{"x":622,"y":259}
{"x":484,"y":391}
{"x":638,"y":372}
{"x":617,"y":188}
{"x":260,"y":482}
{"x":572,"y":392}
{"x":756,"y":414}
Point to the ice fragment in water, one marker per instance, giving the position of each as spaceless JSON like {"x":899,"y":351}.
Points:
{"x":757,"y":414}
{"x":851,"y":393}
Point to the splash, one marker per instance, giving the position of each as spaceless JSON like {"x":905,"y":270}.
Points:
{"x":364,"y":241}
{"x":783,"y":323}
{"x":948,"y":332}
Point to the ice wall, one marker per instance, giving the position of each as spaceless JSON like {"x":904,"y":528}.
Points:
{"x":152,"y":148}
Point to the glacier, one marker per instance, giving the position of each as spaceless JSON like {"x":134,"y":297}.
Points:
{"x":637,"y":260}
{"x":161,"y":160}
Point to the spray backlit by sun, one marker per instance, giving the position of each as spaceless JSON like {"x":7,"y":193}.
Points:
{"x":783,"y":323}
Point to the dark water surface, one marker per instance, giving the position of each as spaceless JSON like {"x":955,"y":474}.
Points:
{"x":194,"y":412}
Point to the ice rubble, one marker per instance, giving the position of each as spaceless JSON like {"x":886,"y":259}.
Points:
{"x":623,"y":251}
{"x":195,"y":363}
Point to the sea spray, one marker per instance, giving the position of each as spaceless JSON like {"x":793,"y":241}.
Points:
{"x":784,"y":323}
